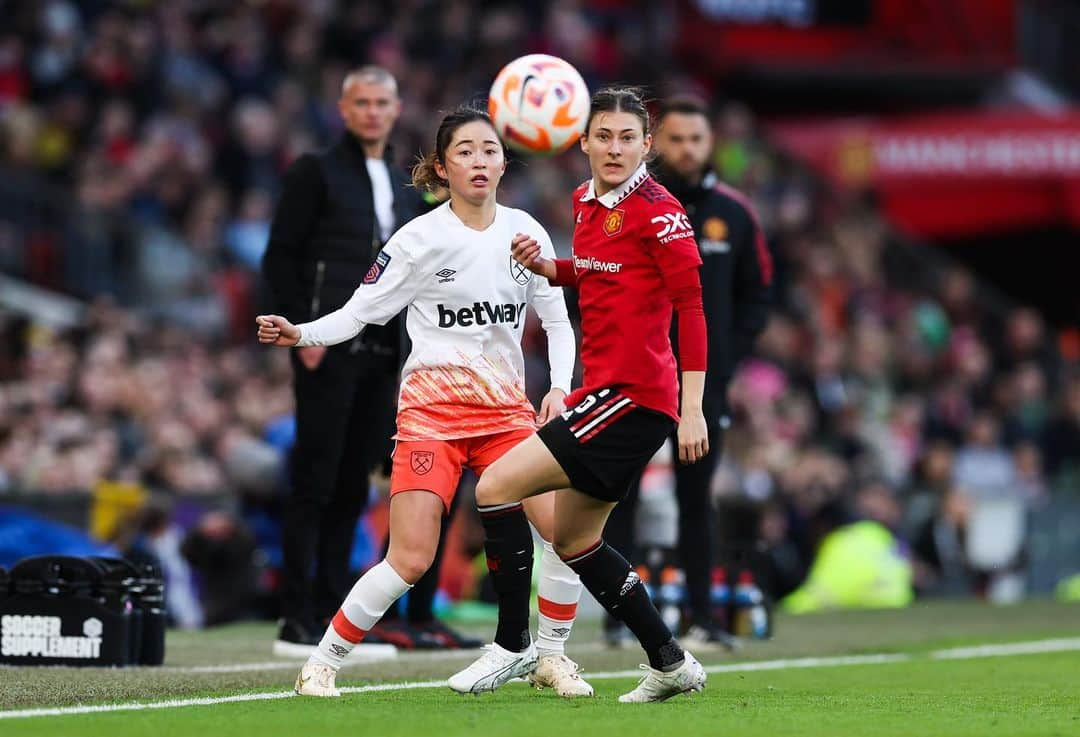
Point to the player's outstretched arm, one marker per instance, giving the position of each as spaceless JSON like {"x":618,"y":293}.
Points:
{"x":276,"y":330}
{"x":386,"y":290}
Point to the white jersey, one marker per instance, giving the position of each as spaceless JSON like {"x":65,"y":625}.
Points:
{"x":466,"y":297}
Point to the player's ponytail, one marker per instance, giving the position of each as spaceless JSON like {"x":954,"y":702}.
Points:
{"x":424,"y":175}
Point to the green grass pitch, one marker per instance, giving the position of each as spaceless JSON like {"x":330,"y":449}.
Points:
{"x":917,"y":692}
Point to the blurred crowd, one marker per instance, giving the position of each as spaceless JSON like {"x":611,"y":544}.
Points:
{"x":887,"y":386}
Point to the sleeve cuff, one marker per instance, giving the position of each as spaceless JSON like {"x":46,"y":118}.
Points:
{"x":565,"y":276}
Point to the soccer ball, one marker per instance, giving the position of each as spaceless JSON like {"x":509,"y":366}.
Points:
{"x":539,"y":104}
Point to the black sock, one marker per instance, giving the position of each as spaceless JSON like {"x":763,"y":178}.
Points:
{"x":609,"y":578}
{"x":509,"y":550}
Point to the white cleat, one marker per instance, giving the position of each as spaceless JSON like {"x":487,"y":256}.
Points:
{"x":659,"y":686}
{"x":494,"y":668}
{"x":560,"y":673}
{"x":316,"y":679}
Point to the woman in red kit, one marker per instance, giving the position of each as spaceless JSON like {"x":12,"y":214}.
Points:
{"x":634,"y":262}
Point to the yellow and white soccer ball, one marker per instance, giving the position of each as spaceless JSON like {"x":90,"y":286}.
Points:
{"x":539,"y":104}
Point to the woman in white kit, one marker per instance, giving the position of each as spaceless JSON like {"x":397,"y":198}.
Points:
{"x":462,"y":401}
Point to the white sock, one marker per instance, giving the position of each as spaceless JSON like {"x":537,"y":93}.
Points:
{"x":559,"y":591}
{"x":365,"y":605}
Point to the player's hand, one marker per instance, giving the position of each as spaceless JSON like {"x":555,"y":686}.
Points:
{"x":552,"y":405}
{"x":693,"y":435}
{"x":276,"y":330}
{"x":526,"y":251}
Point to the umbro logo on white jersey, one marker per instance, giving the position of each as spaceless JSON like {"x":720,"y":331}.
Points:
{"x":673,"y":226}
{"x":445,"y":275}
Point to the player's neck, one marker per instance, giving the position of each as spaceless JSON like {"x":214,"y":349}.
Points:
{"x":474,"y":215}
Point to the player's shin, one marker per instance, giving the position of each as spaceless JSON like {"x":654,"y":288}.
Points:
{"x":559,"y":592}
{"x":509,"y":550}
{"x":371,"y":596}
{"x":609,"y":578}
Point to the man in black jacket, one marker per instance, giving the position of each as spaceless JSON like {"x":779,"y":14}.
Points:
{"x":337,"y":210}
{"x":736,"y":275}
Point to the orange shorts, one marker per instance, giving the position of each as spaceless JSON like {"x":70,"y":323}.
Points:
{"x":435,"y":465}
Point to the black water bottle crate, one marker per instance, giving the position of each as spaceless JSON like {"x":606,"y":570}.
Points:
{"x":64,"y":610}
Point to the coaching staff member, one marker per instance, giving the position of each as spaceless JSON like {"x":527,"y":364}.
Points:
{"x":736,"y":275}
{"x":336,"y":211}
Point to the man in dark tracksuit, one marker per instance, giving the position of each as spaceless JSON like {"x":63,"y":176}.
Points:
{"x":736,"y":275}
{"x":336,"y":211}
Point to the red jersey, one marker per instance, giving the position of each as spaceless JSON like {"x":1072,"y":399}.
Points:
{"x":634,"y":260}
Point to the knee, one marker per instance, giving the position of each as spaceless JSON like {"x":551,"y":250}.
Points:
{"x":489,"y":489}
{"x":568,"y":546}
{"x":411,"y":564}
{"x":561,"y":548}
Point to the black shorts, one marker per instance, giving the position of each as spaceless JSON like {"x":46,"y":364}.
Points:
{"x":606,"y":443}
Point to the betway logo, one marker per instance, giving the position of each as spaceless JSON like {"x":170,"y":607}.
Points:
{"x":592,"y":264}
{"x":481,"y":313}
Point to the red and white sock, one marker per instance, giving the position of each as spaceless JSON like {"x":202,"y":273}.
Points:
{"x":365,"y":605}
{"x":559,"y":591}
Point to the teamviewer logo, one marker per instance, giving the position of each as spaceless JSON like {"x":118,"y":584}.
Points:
{"x":93,"y":627}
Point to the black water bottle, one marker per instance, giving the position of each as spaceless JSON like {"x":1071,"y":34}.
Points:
{"x":118,"y":590}
{"x":151,"y":600}
{"x":56,"y":576}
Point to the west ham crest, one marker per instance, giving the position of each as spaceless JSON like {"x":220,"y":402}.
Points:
{"x":520,"y":273}
{"x":422,"y":461}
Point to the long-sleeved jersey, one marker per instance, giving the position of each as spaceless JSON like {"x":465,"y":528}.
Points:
{"x":634,"y":260}
{"x":466,"y":300}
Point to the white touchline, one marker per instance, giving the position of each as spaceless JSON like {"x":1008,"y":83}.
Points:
{"x":1015,"y":648}
{"x":963,"y":653}
{"x":232,"y":668}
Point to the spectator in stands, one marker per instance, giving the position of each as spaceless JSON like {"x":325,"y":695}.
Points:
{"x":984,"y":468}
{"x":1063,"y":435}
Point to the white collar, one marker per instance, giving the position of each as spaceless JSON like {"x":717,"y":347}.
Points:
{"x":620,"y":193}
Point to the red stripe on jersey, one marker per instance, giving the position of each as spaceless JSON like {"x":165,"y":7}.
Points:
{"x":554,"y":610}
{"x":606,"y":423}
{"x":761,"y":249}
{"x":764,"y":258}
{"x":593,"y":414}
{"x":346,"y":629}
